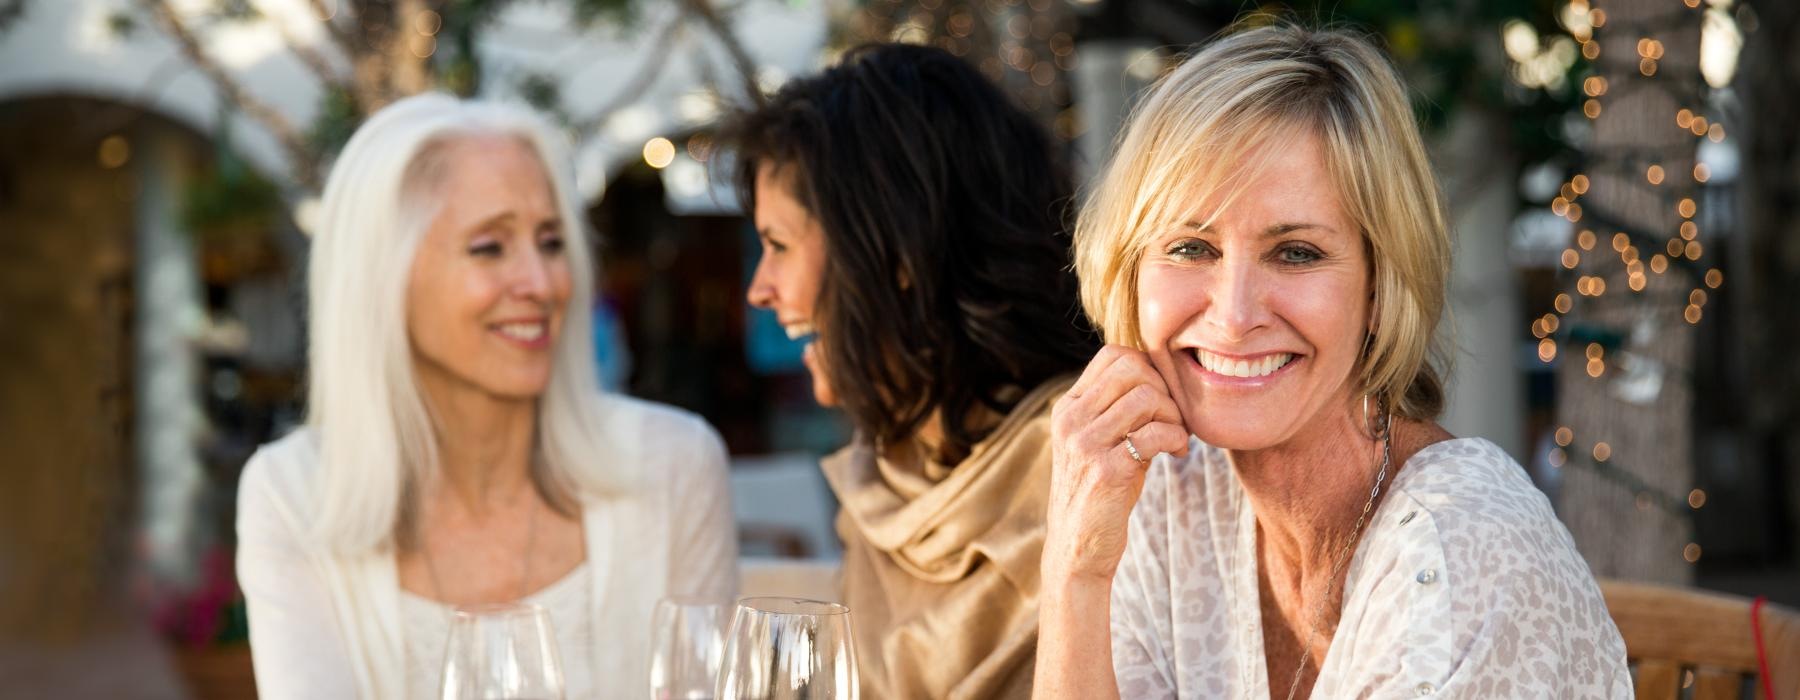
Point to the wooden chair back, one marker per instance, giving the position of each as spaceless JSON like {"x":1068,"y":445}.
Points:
{"x":1687,"y":643}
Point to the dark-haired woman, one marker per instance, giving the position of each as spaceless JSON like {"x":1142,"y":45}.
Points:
{"x":913,"y":223}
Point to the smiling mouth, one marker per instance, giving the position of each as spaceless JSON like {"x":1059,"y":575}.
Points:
{"x":1245,"y":368}
{"x":799,"y":330}
{"x":523,"y":332}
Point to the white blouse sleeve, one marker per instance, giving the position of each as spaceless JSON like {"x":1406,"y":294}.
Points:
{"x":703,"y":551}
{"x":295,"y":644}
{"x":1140,"y":598}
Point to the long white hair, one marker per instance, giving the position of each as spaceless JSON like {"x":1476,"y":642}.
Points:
{"x":375,"y":435}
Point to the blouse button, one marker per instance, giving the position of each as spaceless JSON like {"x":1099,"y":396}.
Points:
{"x":1426,"y":576}
{"x":1408,"y":518}
{"x":1424,"y":689}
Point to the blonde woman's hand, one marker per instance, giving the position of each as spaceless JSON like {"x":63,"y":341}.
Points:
{"x":1096,"y":480}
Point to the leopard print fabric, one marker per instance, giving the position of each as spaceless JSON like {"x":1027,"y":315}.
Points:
{"x":1465,"y":585}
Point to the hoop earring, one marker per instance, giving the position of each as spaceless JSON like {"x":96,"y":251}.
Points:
{"x":1381,"y":428}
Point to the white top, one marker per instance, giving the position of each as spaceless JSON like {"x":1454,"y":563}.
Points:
{"x":1464,"y":585}
{"x":324,"y":625}
{"x":566,"y":602}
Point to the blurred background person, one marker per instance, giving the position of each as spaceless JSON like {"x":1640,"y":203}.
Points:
{"x":913,"y":225}
{"x":458,"y":449}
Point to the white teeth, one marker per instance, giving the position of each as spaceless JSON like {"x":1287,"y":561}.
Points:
{"x":796,"y":331}
{"x":1260,"y":367}
{"x":527,"y":332}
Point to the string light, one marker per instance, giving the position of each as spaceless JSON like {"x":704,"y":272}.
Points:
{"x":1620,"y":241}
{"x":1602,"y":452}
{"x":1701,"y":172}
{"x":1696,"y":498}
{"x":1564,"y":302}
{"x":1714,"y":278}
{"x":1579,"y":183}
{"x":1654,"y":174}
{"x":1570,"y":258}
{"x":1564,"y":436}
{"x":1585,"y":239}
{"x":1691,"y":552}
{"x":1591,"y":108}
{"x":1689,"y":230}
{"x":659,"y":152}
{"x":1658,"y":263}
{"x":1684,"y":118}
{"x":1546,"y":350}
{"x":1686,"y":208}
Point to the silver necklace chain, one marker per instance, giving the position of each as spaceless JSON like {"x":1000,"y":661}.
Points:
{"x":437,"y":585}
{"x":1343,"y":557}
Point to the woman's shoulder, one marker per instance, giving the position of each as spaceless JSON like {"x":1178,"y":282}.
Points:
{"x":1469,"y":505}
{"x":285,"y":466}
{"x":676,"y":445}
{"x":1471,"y":486}
{"x":652,"y":421}
{"x":278,"y":488}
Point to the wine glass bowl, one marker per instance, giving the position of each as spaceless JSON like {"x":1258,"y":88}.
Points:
{"x":789,"y":649}
{"x":687,"y":647}
{"x":501,"y":652}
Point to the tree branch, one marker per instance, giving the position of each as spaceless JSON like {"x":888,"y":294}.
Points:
{"x":310,"y":56}
{"x":646,"y":73}
{"x":306,"y":170}
{"x":740,"y":58}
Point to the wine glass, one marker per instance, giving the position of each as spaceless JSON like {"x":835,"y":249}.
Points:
{"x":687,"y":644}
{"x":789,"y":649}
{"x":502,"y":652}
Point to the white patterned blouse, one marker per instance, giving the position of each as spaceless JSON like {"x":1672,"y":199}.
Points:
{"x":1465,"y":585}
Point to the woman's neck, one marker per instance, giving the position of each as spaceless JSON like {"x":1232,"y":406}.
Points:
{"x":1308,"y":492}
{"x":484,"y":443}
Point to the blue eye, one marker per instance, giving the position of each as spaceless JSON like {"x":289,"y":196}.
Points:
{"x":1298,"y":254}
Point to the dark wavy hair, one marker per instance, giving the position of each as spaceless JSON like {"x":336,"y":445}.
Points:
{"x":946,"y":213}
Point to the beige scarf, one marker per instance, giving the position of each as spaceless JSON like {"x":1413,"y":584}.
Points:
{"x":941,"y":562}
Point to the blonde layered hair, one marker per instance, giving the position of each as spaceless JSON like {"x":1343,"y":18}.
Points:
{"x":1199,"y":135}
{"x":375,"y":434}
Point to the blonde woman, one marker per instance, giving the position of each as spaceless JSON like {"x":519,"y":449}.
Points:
{"x":1251,"y":498}
{"x":457,"y":448}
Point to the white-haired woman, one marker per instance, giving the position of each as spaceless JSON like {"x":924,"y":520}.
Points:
{"x":1250,"y":496}
{"x":457,"y":448}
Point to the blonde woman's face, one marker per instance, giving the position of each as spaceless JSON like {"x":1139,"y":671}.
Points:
{"x":1256,"y":320}
{"x":490,"y":282}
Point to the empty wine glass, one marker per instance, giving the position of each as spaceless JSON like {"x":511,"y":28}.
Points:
{"x":687,"y":645}
{"x":789,"y":649}
{"x":502,"y":652}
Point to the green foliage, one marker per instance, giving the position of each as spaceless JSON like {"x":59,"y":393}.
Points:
{"x":336,"y":120}
{"x":230,"y":200}
{"x":542,"y":91}
{"x":122,"y":24}
{"x":622,"y":13}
